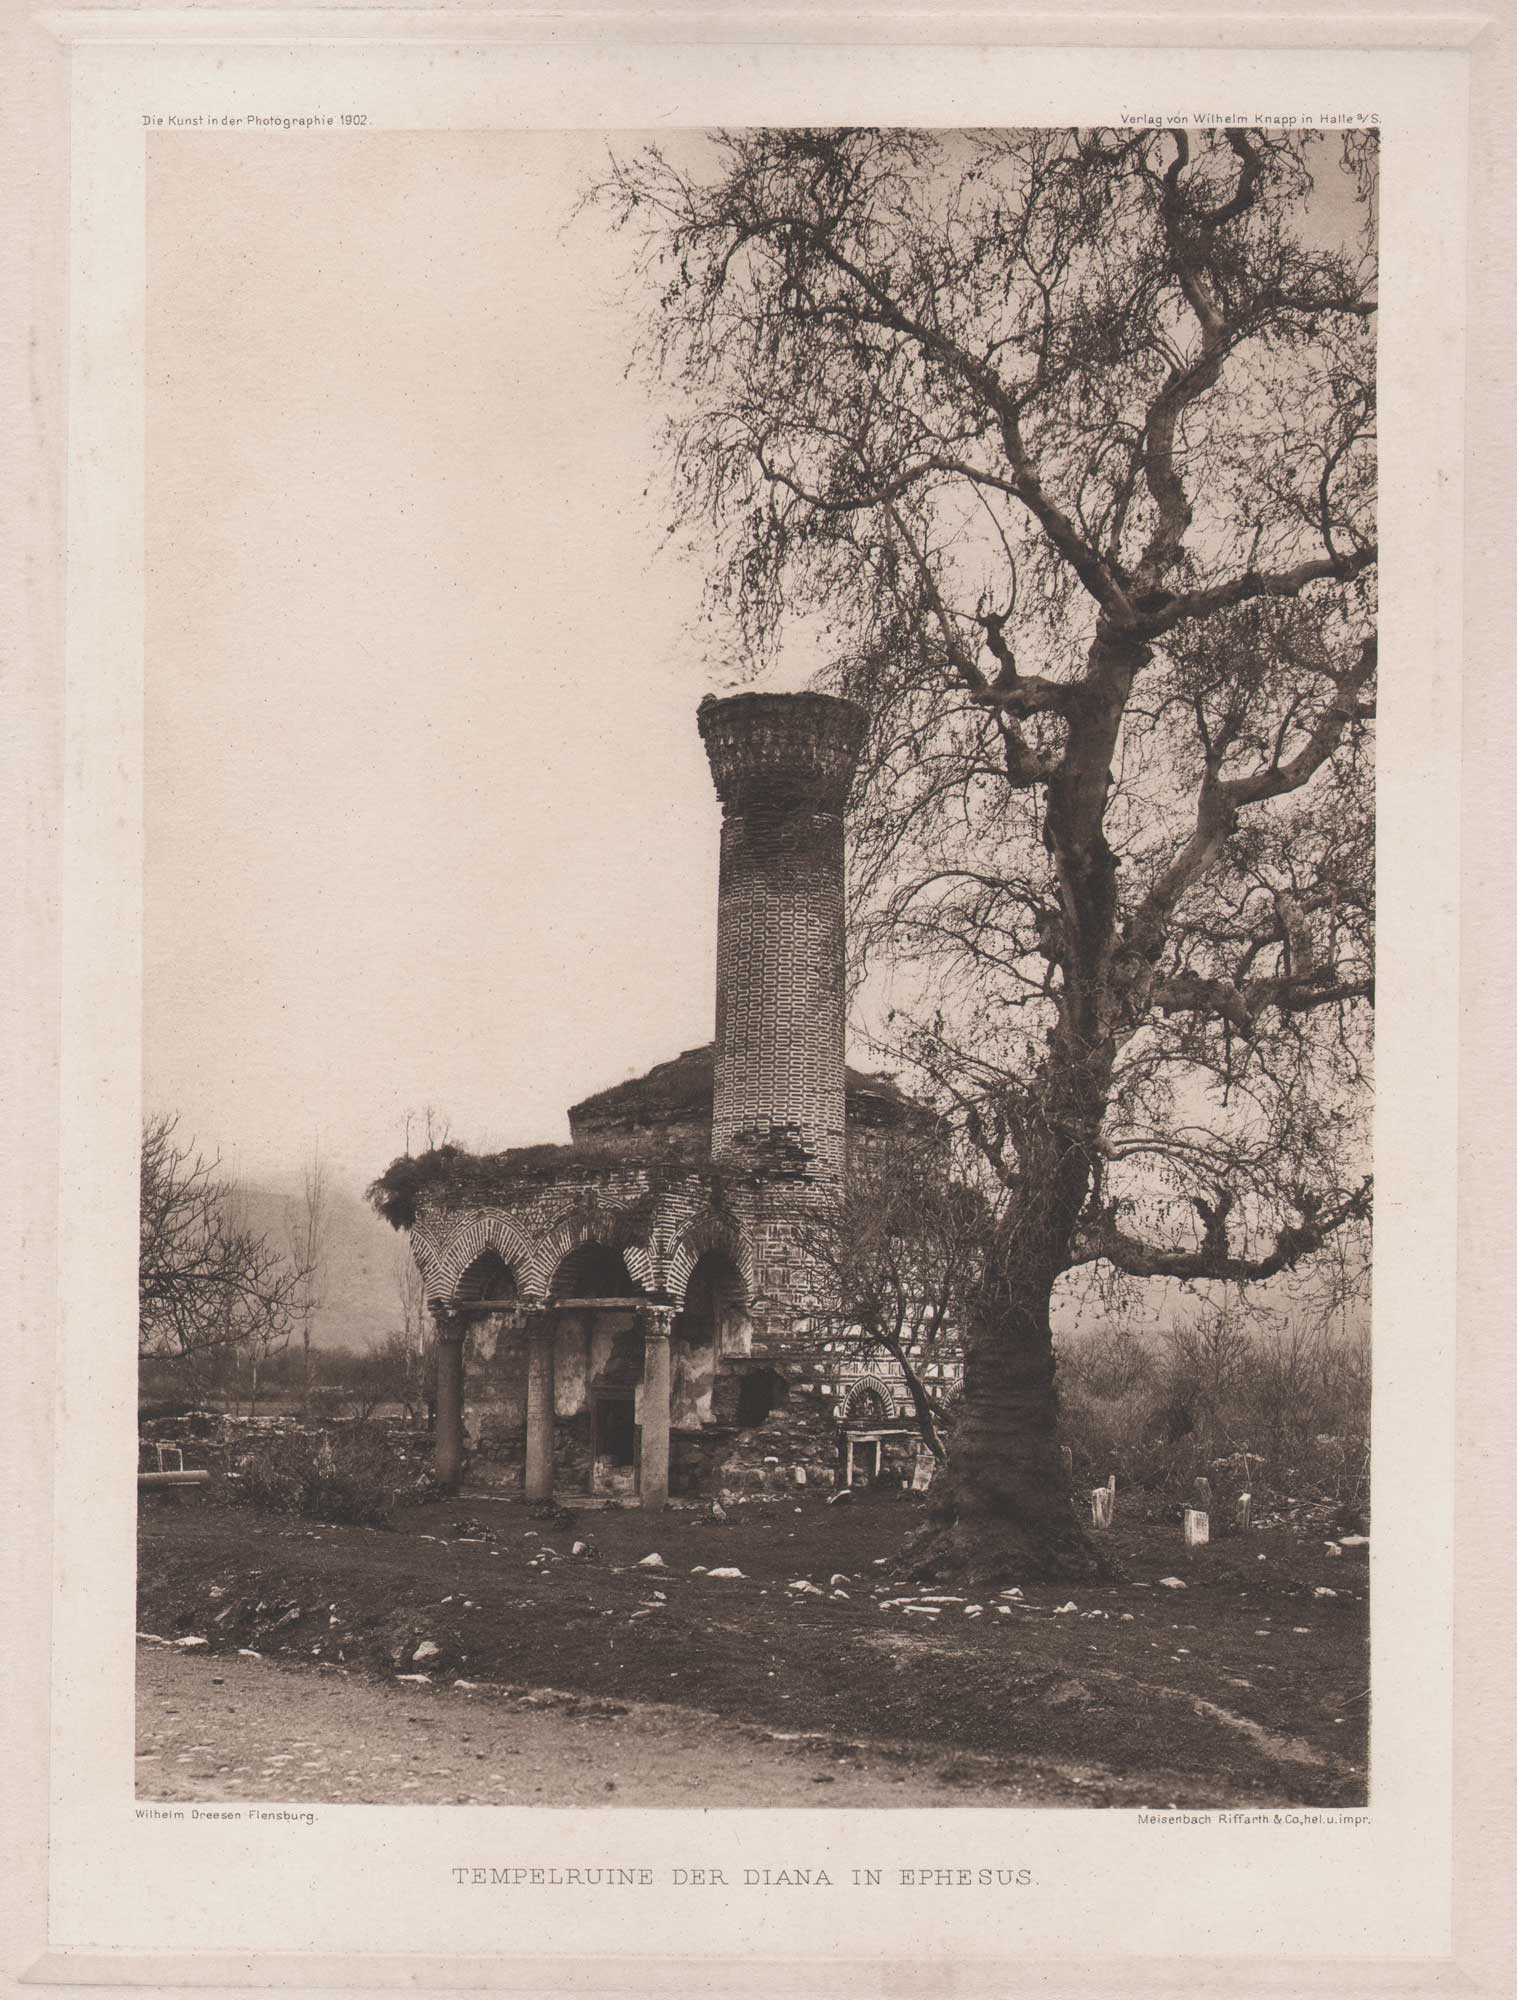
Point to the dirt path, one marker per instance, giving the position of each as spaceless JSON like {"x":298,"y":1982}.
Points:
{"x":247,"y":1729}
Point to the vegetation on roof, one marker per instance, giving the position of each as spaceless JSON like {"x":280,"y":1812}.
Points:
{"x":452,"y":1172}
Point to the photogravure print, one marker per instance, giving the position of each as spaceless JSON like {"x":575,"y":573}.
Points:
{"x":758,"y":894}
{"x":1024,"y":482}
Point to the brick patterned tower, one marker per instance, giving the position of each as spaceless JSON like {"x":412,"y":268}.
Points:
{"x":783,"y":764}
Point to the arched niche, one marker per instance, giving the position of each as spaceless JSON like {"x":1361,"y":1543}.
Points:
{"x":488,"y":1277}
{"x":712,"y":1324}
{"x":593,"y":1270}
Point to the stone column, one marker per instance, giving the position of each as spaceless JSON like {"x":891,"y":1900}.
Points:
{"x":540,"y":1338}
{"x":658,"y":1377}
{"x":448,"y":1430}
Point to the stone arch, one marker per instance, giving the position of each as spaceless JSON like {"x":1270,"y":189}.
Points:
{"x":608,"y":1228}
{"x":444,"y":1269}
{"x":489,"y":1276}
{"x":592,"y":1269}
{"x":708,"y":1233}
{"x":864,"y":1390}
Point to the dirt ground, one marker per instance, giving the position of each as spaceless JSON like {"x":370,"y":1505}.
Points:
{"x":237,"y":1729}
{"x":1244,"y":1687}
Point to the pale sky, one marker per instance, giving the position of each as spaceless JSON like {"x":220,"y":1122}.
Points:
{"x":428,"y":821}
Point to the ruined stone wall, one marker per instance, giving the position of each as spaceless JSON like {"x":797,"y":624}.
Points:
{"x":772,"y":1328}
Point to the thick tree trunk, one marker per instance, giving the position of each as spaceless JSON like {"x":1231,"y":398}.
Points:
{"x":1004,"y":1511}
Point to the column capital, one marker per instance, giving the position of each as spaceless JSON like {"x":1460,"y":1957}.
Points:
{"x":450,"y":1325}
{"x":657,"y":1320}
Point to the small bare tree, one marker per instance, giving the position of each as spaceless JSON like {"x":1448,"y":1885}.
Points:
{"x":393,"y":1370}
{"x":307,"y":1220}
{"x":209,"y":1286}
{"x":895,"y":1251}
{"x":411,"y":1296}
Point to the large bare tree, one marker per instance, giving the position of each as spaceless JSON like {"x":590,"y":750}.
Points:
{"x":1058,"y":448}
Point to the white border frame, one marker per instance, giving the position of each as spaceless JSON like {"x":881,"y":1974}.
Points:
{"x":101,"y":901}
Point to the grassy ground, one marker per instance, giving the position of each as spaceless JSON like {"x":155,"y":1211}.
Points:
{"x":1244,"y":1687}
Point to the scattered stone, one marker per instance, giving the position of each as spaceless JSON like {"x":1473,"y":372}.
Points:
{"x":925,"y":1610}
{"x":191,"y":1642}
{"x":465,"y":1687}
{"x":1321,"y":1591}
{"x":843,"y":1493}
{"x":1068,"y":1694}
{"x":651,"y":1562}
{"x":973,"y":1610}
{"x":1171,"y":1583}
{"x":1127,"y":1618}
{"x":1333,"y":1548}
{"x":1011,"y":1593}
{"x":841,"y":1593}
{"x":726,"y":1570}
{"x":1060,"y":1609}
{"x":427,"y":1650}
{"x":837,"y":1579}
{"x":424,"y":1680}
{"x":699,"y":1570}
{"x":247,"y":1653}
{"x":1353,"y":1541}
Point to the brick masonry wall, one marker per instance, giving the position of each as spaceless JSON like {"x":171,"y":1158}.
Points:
{"x":782,"y":766}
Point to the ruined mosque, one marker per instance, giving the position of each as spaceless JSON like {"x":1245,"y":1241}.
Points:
{"x":634,"y":1314}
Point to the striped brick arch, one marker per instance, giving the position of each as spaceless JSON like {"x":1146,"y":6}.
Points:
{"x":567,"y":1236}
{"x":870,"y":1385}
{"x":443,"y":1267}
{"x":708,"y":1232}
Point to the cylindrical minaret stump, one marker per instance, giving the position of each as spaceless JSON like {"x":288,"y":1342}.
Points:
{"x":783,"y":765}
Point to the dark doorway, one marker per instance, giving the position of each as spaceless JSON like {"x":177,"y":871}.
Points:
{"x":615,"y":1429}
{"x":759,"y":1394}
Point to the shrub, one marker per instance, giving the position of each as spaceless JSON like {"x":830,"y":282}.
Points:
{"x":1277,"y":1410}
{"x":353,"y":1476}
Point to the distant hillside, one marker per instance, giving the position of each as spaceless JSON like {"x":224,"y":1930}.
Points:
{"x":360,"y":1300}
